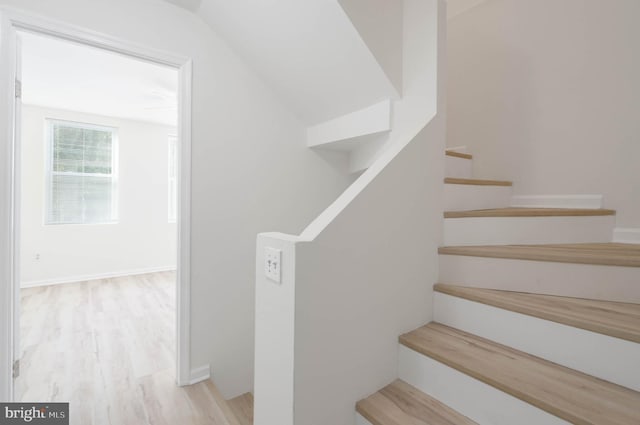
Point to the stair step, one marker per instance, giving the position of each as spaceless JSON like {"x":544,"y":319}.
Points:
{"x":458,"y":154}
{"x":401,"y":404}
{"x":620,"y":320}
{"x":242,"y":407}
{"x":529,"y":212}
{"x":589,"y":351}
{"x":477,"y":182}
{"x":560,"y":391}
{"x":607,"y":254}
{"x":590,"y":281}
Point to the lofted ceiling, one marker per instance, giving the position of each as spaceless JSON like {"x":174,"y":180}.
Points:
{"x":307,"y":50}
{"x":64,"y":75}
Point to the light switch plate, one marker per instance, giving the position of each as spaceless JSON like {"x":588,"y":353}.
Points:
{"x":272,"y":263}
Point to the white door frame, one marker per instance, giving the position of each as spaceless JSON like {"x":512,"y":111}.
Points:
{"x":10,"y":22}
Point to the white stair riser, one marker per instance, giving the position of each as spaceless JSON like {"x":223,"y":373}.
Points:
{"x":478,"y":401}
{"x":458,"y":167}
{"x":612,"y":359}
{"x":527,"y":230}
{"x":596,"y":282}
{"x":462,"y":197}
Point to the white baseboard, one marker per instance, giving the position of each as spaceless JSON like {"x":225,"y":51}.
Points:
{"x":84,"y":278}
{"x":626,"y":235}
{"x":200,"y":374}
{"x":557,"y":201}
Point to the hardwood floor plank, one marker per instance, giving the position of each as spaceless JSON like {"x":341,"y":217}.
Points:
{"x":571,"y":395}
{"x":242,"y":407}
{"x":400,"y":404}
{"x":477,"y":182}
{"x":458,"y":154}
{"x":608,"y":254}
{"x":108,"y":347}
{"x":529,"y":212}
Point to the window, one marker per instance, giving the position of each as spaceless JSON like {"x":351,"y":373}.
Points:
{"x":82,"y":174}
{"x":173,"y":181}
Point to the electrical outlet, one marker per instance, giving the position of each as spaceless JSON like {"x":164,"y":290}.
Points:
{"x":272,"y":263}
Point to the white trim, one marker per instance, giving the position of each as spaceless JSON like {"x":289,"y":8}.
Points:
{"x":87,"y":277}
{"x":172,"y":189}
{"x":626,"y":235}
{"x":199,"y":374}
{"x":557,"y":201}
{"x":183,"y":297}
{"x":8,"y":206}
{"x":11,"y":20}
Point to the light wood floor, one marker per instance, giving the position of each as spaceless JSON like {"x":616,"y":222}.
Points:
{"x":107,"y":347}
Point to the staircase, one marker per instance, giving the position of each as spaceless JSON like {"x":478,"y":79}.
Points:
{"x":536,"y":321}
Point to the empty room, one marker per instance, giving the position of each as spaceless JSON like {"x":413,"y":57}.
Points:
{"x":98,"y":209}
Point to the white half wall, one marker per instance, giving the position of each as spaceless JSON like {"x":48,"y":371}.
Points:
{"x":362,"y":272}
{"x":142,"y":239}
{"x":251,"y":170}
{"x":546,"y":94}
{"x":365,"y":280}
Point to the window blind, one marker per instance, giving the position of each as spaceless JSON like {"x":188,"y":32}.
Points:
{"x":82,"y":177}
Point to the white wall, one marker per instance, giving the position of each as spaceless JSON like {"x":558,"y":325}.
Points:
{"x":251,"y":171}
{"x":379,"y":23}
{"x":362,"y":272}
{"x":142,"y":239}
{"x":547,"y":94}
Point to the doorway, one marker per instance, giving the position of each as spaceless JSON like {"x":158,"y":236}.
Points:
{"x":102,"y":186}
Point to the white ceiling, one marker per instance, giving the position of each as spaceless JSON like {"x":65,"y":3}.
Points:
{"x":308,"y":51}
{"x":192,"y":5}
{"x":64,"y":75}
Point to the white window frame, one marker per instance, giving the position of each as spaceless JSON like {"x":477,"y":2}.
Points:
{"x":172,"y":144}
{"x":50,"y":122}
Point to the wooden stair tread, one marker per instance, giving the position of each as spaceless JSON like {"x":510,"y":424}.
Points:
{"x":607,"y":254}
{"x":458,"y":154}
{"x":242,"y":407}
{"x":477,"y":182}
{"x":563,"y":392}
{"x":620,"y":320}
{"x":401,"y":404}
{"x":529,"y":212}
